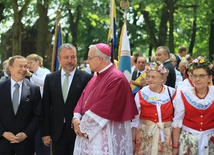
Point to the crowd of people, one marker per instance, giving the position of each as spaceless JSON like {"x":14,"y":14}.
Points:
{"x":175,"y":117}
{"x":166,"y":108}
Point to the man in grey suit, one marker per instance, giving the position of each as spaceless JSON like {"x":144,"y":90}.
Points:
{"x":20,"y":111}
{"x":62,"y":90}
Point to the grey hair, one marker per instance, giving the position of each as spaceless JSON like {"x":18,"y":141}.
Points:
{"x":13,"y":58}
{"x":67,"y":46}
{"x":184,"y":62}
{"x":99,"y":53}
{"x":173,"y":57}
{"x":165,"y":50}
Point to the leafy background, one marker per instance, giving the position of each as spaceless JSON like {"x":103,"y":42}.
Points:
{"x":28,"y":26}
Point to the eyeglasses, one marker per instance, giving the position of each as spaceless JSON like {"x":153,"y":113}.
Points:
{"x":89,"y":58}
{"x":151,"y":77}
{"x":200,"y":76}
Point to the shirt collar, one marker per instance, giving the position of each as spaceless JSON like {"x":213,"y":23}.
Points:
{"x":71,"y":73}
{"x":179,"y":56}
{"x":141,"y":71}
{"x":167,"y":60}
{"x":38,"y":70}
{"x":13,"y":82}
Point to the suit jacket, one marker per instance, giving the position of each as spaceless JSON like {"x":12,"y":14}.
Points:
{"x":178,"y":61}
{"x":134,"y":75}
{"x":1,"y":74}
{"x":55,"y":110}
{"x":171,"y":76}
{"x":27,"y":118}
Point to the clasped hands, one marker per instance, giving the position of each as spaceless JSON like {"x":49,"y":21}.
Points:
{"x":19,"y":137}
{"x":76,"y":127}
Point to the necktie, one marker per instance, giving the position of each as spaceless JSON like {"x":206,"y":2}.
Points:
{"x":16,"y":97}
{"x":138,"y":74}
{"x":65,"y":87}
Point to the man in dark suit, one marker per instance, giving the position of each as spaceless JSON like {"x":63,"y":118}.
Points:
{"x":140,"y":69}
{"x":140,"y":65}
{"x":59,"y":101}
{"x":20,"y":111}
{"x":163,"y":55}
{"x":182,"y":51}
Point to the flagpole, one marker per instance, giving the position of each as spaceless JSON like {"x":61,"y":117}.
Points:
{"x":112,"y":29}
{"x":124,"y":4}
{"x":55,"y":42}
{"x":125,"y":50}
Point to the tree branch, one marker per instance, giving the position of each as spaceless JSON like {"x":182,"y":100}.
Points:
{"x":15,"y":6}
{"x":27,"y":2}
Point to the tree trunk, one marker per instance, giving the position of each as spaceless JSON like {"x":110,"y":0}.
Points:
{"x":162,"y":36}
{"x":194,"y":29}
{"x":18,"y":26}
{"x":211,"y":38}
{"x":150,"y":52}
{"x":17,"y":36}
{"x":74,"y":22}
{"x":171,"y":6}
{"x":150,"y":28}
{"x":2,"y":7}
{"x":42,"y":29}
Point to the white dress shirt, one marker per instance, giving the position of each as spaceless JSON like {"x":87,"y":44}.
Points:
{"x":38,"y":78}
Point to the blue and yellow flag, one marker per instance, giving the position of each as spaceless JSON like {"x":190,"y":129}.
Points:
{"x":124,"y":53}
{"x":55,"y":65}
{"x":58,"y":44}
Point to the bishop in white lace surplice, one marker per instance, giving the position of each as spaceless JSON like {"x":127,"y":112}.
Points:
{"x":104,"y":137}
{"x":106,"y":108}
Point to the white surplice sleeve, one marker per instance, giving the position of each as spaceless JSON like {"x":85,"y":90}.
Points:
{"x":178,"y":111}
{"x":135,"y":121}
{"x":77,"y":115}
{"x":91,"y":124}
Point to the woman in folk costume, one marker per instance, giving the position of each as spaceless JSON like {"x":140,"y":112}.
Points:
{"x":151,"y":129}
{"x":193,"y":122}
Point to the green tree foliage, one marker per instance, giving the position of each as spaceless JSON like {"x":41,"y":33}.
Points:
{"x":190,"y":27}
{"x":151,"y":23}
